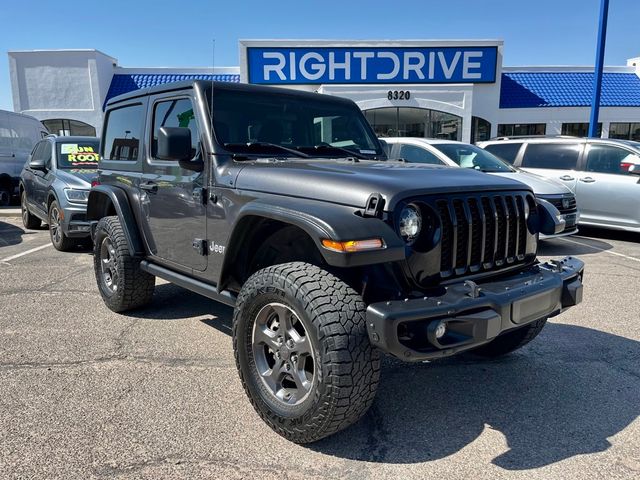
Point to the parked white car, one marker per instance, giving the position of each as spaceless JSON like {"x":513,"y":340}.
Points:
{"x":458,"y":154}
{"x":603,"y":173}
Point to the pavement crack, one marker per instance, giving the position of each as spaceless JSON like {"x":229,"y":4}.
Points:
{"x":160,"y":361}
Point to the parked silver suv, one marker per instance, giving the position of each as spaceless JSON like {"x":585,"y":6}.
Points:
{"x":603,"y":173}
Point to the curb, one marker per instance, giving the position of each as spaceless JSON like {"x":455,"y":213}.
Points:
{"x":10,"y":212}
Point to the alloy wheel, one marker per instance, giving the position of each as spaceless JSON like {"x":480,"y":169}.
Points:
{"x":109,"y":265}
{"x":283,"y":354}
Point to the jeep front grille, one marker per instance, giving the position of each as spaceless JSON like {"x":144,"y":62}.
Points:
{"x":482,"y":232}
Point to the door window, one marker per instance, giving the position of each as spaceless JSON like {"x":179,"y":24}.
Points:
{"x":414,"y":154}
{"x":608,"y":159}
{"x":560,"y":156}
{"x":175,"y":113}
{"x":46,"y":154}
{"x":506,"y":151}
{"x":122,"y":133}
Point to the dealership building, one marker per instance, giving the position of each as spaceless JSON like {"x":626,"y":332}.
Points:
{"x":441,"y":89}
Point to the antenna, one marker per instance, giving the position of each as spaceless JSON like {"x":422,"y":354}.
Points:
{"x":213,"y":69}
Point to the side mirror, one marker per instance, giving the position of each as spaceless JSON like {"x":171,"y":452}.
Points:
{"x":37,"y":164}
{"x":174,"y":143}
{"x":634,"y":169}
{"x":551,"y":221}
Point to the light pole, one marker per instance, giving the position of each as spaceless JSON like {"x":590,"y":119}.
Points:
{"x":597,"y":74}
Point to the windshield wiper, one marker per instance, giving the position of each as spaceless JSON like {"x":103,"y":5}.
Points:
{"x":254,"y":145}
{"x":326,"y":146}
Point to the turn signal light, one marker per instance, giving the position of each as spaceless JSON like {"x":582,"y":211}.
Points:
{"x":353,"y":245}
{"x":95,"y":182}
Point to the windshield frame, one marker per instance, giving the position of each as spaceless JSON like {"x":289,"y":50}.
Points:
{"x":300,"y":109}
{"x":94,"y":144}
{"x":479,"y":152}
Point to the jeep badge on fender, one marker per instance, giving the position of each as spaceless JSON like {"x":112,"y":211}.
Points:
{"x":330,"y":253}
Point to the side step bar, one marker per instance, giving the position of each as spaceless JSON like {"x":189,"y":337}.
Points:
{"x":189,"y":283}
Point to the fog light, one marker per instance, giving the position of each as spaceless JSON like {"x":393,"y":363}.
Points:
{"x":441,"y":329}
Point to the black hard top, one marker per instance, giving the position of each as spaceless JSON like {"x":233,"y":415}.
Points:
{"x":204,"y":84}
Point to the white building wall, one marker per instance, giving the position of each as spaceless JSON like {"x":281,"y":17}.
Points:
{"x":70,"y":84}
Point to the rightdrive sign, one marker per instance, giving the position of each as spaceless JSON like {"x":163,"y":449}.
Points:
{"x":308,"y":65}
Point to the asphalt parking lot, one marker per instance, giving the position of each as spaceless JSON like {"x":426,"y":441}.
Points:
{"x":86,"y":393}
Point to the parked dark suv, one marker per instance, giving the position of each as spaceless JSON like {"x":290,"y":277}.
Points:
{"x":54,"y":187}
{"x":282,"y":204}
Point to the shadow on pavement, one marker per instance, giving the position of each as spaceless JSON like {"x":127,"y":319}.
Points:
{"x":609,"y":234}
{"x":572,"y":246}
{"x":10,"y":234}
{"x":563,"y":396}
{"x":171,"y":302}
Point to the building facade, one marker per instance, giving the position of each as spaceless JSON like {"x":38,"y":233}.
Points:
{"x":441,"y":89}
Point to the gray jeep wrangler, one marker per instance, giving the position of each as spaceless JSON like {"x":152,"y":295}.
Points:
{"x":283,"y":205}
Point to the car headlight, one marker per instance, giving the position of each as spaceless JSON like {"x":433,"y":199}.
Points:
{"x":76,"y":195}
{"x":410,"y":223}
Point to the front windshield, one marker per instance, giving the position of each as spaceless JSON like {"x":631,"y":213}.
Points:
{"x":78,"y":155}
{"x":470,"y":156}
{"x":272,"y":123}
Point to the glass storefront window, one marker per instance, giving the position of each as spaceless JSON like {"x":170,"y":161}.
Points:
{"x":579,"y":129}
{"x":521,"y":129}
{"x":625,"y":131}
{"x":66,"y":127}
{"x":414,"y":122}
{"x":480,"y":129}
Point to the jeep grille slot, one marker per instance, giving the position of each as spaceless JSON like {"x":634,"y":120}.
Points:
{"x":481,"y":232}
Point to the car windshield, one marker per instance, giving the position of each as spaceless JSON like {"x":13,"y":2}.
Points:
{"x":470,"y":156}
{"x":282,"y":125}
{"x":78,"y":155}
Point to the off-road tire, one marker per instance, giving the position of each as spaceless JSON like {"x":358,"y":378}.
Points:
{"x":28,"y":220}
{"x":59,"y":240}
{"x":348,"y":366}
{"x":510,"y":341}
{"x":133,"y":286}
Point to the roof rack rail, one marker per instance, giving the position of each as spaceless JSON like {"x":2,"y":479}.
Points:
{"x":517,"y":137}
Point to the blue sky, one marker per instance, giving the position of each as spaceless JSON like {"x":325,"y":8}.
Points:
{"x":160,"y":33}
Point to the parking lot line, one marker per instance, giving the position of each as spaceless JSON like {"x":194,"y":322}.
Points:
{"x":27,"y":252}
{"x":635,"y":259}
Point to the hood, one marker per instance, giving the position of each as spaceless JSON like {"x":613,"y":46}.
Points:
{"x":80,"y":179}
{"x":539,"y":185}
{"x":351,"y":183}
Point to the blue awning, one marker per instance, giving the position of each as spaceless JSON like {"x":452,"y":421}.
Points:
{"x":124,"y":83}
{"x":567,"y":89}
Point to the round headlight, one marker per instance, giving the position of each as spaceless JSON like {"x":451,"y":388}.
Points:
{"x":410,"y":223}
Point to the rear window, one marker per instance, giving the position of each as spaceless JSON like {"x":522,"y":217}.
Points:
{"x":560,"y":156}
{"x":78,"y":155}
{"x":505,"y":151}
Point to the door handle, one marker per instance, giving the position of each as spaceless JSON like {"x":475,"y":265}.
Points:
{"x":567,"y":178}
{"x":149,"y":186}
{"x":588,"y":179}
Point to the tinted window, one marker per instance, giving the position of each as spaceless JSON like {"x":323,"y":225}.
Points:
{"x":78,"y":155}
{"x":290,"y":121}
{"x":480,"y":129}
{"x":625,"y":131}
{"x":511,"y":129}
{"x":607,"y":159}
{"x":414,"y":154}
{"x":506,"y":151}
{"x":175,"y":113}
{"x":561,"y":156}
{"x":579,"y":129}
{"x":470,"y":156}
{"x":47,"y":154}
{"x":122,"y":133}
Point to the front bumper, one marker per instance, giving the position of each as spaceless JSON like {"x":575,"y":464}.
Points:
{"x":473,"y":314}
{"x":75,"y":222}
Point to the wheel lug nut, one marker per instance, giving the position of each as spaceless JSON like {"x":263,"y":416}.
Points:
{"x":287,"y":366}
{"x":278,"y":355}
{"x":290,"y":343}
{"x":294,"y":358}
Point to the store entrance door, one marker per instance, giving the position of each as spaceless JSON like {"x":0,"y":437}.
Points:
{"x":414,"y":122}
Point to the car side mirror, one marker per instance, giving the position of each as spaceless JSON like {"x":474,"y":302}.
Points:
{"x":37,"y":164}
{"x":174,"y":143}
{"x":634,"y":169}
{"x":551,"y":221}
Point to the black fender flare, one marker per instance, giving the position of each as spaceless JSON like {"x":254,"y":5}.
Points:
{"x":101,"y":200}
{"x":321,"y":221}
